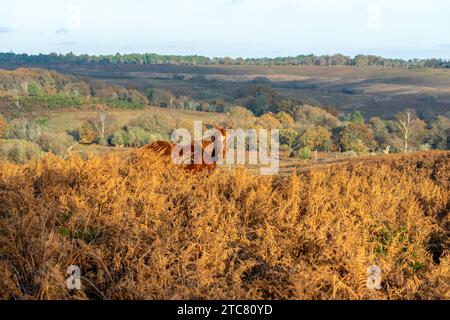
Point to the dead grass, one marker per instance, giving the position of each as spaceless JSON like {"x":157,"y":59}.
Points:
{"x":143,"y":229}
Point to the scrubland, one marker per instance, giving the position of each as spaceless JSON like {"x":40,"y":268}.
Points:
{"x":142,"y":228}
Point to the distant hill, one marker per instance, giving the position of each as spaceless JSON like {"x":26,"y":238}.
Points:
{"x":34,"y":87}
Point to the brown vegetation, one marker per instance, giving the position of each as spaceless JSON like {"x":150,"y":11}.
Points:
{"x":141,"y":228}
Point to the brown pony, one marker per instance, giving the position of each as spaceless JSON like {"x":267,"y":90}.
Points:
{"x":198,"y":167}
{"x":165,"y":148}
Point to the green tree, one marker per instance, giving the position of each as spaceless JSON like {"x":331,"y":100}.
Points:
{"x":34,"y":89}
{"x":287,"y":106}
{"x":304,"y":153}
{"x":149,"y":93}
{"x":118,"y":138}
{"x":356,"y":117}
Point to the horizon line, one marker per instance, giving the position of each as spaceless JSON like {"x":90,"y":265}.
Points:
{"x":223,"y":56}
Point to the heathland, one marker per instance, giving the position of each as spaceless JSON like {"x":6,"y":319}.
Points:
{"x":361,"y":181}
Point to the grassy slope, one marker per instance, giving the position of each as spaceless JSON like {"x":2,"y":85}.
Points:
{"x":386,"y":90}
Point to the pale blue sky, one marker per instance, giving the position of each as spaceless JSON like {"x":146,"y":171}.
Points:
{"x":247,"y":28}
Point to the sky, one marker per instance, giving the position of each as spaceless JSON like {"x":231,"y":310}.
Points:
{"x":234,"y":28}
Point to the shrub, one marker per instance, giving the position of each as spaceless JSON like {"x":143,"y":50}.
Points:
{"x":3,"y":125}
{"x":132,"y":137}
{"x":34,"y":89}
{"x":19,"y":151}
{"x":154,"y":124}
{"x":350,"y":154}
{"x":25,"y":129}
{"x":118,"y":138}
{"x":87,"y":134}
{"x":425,"y":147}
{"x":136,"y":137}
{"x":55,"y":143}
{"x":304,"y":153}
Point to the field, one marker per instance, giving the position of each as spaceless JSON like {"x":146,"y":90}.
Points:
{"x":374,"y":91}
{"x":140,"y":227}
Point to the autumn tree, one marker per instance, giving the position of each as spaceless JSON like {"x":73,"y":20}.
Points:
{"x":380,"y":133}
{"x":288,"y":136}
{"x":409,"y":128}
{"x":357,"y":137}
{"x":87,"y":134}
{"x":316,"y":137}
{"x":162,"y":98}
{"x":332,"y":110}
{"x":361,"y":60}
{"x":307,"y":116}
{"x":285,"y":119}
{"x":240,"y":118}
{"x":440,"y":133}
{"x":268,"y":121}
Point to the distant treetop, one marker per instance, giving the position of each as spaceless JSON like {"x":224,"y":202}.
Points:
{"x":10,"y":58}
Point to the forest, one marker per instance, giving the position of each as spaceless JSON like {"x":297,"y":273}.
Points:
{"x":9,"y":58}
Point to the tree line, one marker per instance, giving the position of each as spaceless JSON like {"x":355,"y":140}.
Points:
{"x":10,"y":58}
{"x":304,"y":131}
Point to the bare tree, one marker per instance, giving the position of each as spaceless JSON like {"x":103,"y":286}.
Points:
{"x":101,"y":124}
{"x":409,"y":128}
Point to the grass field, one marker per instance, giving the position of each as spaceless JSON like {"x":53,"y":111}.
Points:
{"x":142,"y":228}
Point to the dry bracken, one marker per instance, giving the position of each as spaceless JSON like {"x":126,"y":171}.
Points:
{"x":141,"y":228}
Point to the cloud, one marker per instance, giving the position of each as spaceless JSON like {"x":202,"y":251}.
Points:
{"x":61,"y":31}
{"x":6,"y":30}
